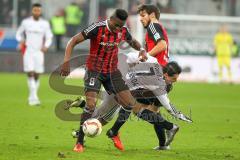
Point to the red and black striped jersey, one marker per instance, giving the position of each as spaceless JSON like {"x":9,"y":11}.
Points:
{"x":103,"y":55}
{"x":155,"y":33}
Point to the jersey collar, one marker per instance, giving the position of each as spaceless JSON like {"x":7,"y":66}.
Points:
{"x":108,"y":25}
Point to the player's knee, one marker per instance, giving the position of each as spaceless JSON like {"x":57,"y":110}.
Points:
{"x":91,"y":104}
{"x":30,"y":74}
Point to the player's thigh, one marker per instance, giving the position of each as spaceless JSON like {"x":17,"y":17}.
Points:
{"x":28,"y":62}
{"x":91,"y":99}
{"x":117,"y":82}
{"x":39,"y":62}
{"x":121,"y":90}
{"x":220,"y":60}
{"x":227,"y":61}
{"x":92,"y":87}
{"x":125,"y":98}
{"x":92,"y":82}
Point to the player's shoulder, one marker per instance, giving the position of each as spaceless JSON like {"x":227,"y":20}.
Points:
{"x":44,"y":21}
{"x":100,"y":23}
{"x":154,"y":27}
{"x":125,"y":28}
{"x":27,"y":19}
{"x":96,"y":25}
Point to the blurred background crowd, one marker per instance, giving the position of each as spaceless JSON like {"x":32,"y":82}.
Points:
{"x":191,"y":25}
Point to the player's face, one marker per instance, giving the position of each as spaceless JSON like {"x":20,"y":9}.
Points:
{"x":116,"y":24}
{"x":171,"y":79}
{"x":36,"y":12}
{"x":144,"y":18}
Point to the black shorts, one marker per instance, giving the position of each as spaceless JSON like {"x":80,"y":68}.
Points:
{"x":112,"y":82}
{"x":146,"y":97}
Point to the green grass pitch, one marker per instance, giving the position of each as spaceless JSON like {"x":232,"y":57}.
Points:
{"x":35,"y":133}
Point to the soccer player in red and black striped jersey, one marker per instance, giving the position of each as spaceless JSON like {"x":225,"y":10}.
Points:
{"x":101,"y":64}
{"x":156,"y":38}
{"x":156,"y":45}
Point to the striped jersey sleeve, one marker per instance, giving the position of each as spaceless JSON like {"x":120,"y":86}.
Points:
{"x":155,"y":32}
{"x":92,"y":30}
{"x":128,"y":36}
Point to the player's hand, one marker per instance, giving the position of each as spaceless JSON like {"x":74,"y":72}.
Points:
{"x":65,"y":69}
{"x":22,"y":47}
{"x":44,"y":49}
{"x":142,"y":56}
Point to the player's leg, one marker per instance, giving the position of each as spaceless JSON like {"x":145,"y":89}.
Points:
{"x":38,"y":69}
{"x":28,"y":67}
{"x":92,"y":87}
{"x":37,"y":84}
{"x":32,"y":99}
{"x":116,"y":85}
{"x":160,"y":132}
{"x":158,"y":121}
{"x":227,"y":62}
{"x":220,"y":67}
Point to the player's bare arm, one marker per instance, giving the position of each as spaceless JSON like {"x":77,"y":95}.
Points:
{"x":136,"y":45}
{"x":78,"y":38}
{"x":160,"y":46}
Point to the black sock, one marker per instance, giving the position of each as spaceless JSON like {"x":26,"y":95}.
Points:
{"x":160,"y":134}
{"x":84,"y":116}
{"x":155,"y":118}
{"x":123,"y":115}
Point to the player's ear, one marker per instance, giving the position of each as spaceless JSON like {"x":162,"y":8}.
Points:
{"x":152,"y":15}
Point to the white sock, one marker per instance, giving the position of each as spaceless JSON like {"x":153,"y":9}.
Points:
{"x":37,"y":84}
{"x":31,"y":87}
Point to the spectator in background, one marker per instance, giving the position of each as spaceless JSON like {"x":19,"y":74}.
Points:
{"x":223,"y":42}
{"x":73,"y":18}
{"x":6,"y":12}
{"x":58,"y":28}
{"x":34,"y":33}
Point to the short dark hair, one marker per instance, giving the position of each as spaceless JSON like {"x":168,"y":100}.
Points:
{"x":121,"y":14}
{"x":36,"y":5}
{"x":149,"y":8}
{"x":172,"y":68}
